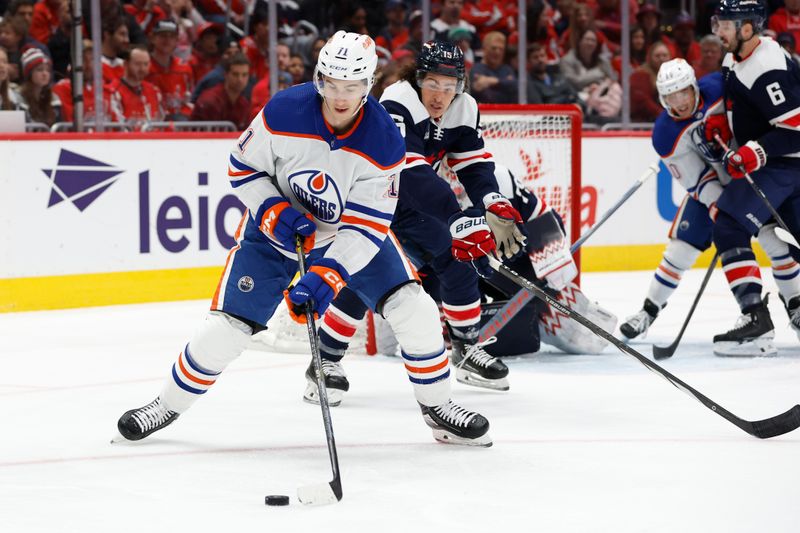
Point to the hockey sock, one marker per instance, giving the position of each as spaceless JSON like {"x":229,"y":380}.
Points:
{"x":219,"y":341}
{"x":464,"y":320}
{"x":738,"y":260}
{"x":339,"y":324}
{"x":785,"y":269}
{"x":679,"y":257}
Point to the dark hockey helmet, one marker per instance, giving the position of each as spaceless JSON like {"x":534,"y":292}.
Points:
{"x":444,"y":58}
{"x":741,"y":11}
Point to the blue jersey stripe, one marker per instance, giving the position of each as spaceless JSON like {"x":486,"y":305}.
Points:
{"x":369,"y":211}
{"x":248,"y":179}
{"x":239,"y":165}
{"x":376,"y":241}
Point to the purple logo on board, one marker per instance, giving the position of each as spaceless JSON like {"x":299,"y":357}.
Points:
{"x":79,"y":179}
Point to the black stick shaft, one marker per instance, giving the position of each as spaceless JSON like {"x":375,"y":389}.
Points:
{"x":770,"y":427}
{"x":336,"y":482}
{"x":662,"y":352}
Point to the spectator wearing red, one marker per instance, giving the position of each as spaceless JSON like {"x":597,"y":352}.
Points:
{"x":581,"y":19}
{"x":260,"y":94}
{"x":115,"y":44}
{"x":256,"y":46}
{"x":491,"y":15}
{"x":206,"y":52}
{"x":542,"y":32}
{"x":63,"y":89}
{"x":787,"y":42}
{"x":226,"y":101}
{"x":146,"y":12}
{"x":297,"y":69}
{"x":645,"y":105}
{"x":170,"y":74}
{"x":36,"y":96}
{"x":649,"y":18}
{"x":492,"y":80}
{"x":711,"y":54}
{"x":638,"y":51}
{"x":395,"y":33}
{"x":685,"y":45}
{"x":449,"y":18}
{"x":608,"y":19}
{"x":787,"y":19}
{"x":562,"y":14}
{"x":214,"y":10}
{"x":133,"y":99}
{"x":45,"y":20}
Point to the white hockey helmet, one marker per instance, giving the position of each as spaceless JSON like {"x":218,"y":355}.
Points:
{"x":673,"y":76}
{"x":347,"y":56}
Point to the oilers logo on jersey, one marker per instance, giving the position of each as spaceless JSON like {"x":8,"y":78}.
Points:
{"x":318,"y":193}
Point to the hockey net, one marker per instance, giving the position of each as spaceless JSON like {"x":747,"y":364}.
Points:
{"x":539,"y":144}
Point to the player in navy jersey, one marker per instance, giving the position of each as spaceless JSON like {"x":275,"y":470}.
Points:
{"x":762,"y":100}
{"x":321,"y":161}
{"x":678,"y":137}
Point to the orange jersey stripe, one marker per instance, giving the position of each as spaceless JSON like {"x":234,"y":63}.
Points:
{"x":190,"y":377}
{"x":350,"y":219}
{"x":429,"y":369}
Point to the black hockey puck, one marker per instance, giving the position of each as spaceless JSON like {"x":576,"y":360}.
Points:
{"x":276,"y":499}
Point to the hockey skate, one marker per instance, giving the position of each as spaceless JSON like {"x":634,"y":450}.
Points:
{"x":639,"y":323}
{"x":136,"y":424}
{"x":750,"y":337}
{"x":452,"y":424}
{"x":335,"y":382}
{"x":793,"y":310}
{"x":476,"y":367}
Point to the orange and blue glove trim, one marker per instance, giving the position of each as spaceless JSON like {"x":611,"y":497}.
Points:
{"x":318,"y":287}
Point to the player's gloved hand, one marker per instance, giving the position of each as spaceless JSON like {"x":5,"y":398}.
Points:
{"x":746,"y":159}
{"x":472,"y":240}
{"x":503,"y":219}
{"x":717,"y":125}
{"x":318,"y":287}
{"x":280,"y":221}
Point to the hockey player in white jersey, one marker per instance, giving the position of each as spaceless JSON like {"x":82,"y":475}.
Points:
{"x":678,"y":137}
{"x":321,"y":161}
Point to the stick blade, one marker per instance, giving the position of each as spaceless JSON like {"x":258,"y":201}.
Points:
{"x":663,"y":352}
{"x":319,"y":494}
{"x":777,"y":425}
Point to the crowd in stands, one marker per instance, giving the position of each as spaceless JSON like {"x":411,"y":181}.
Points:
{"x":174,"y":60}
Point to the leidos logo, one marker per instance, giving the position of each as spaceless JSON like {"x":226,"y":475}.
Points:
{"x":318,"y":193}
{"x":79,"y":180}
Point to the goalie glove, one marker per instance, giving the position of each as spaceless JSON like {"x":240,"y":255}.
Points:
{"x":472,"y":240}
{"x":317,"y":288}
{"x":503,"y":219}
{"x":279,"y":221}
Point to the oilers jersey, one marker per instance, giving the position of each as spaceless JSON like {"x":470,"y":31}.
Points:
{"x":347,"y":183}
{"x":694,"y":163}
{"x":762,"y":98}
{"x":455,"y":138}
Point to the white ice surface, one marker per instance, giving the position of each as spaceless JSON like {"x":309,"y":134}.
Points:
{"x":581,"y":443}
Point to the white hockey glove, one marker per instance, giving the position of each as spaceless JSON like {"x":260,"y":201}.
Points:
{"x":549,"y":254}
{"x":503,"y":219}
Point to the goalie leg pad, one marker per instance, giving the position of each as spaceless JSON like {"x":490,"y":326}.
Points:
{"x":414,"y":318}
{"x":549,"y":250}
{"x":221,"y":339}
{"x":567,"y":335}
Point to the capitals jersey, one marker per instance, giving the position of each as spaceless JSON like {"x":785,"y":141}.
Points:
{"x":762,"y":97}
{"x":455,"y":138}
{"x":694,"y":163}
{"x":348,"y":183}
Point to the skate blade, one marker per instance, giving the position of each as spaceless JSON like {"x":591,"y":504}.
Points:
{"x":311,"y":395}
{"x":761,"y":347}
{"x":446,"y":437}
{"x":119,"y":439}
{"x":470,"y":378}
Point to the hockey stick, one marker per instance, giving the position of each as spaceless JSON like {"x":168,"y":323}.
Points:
{"x":663,"y":352}
{"x":652,"y":170}
{"x":763,"y":429}
{"x":782,"y":232}
{"x":505,"y":314}
{"x":319,"y":493}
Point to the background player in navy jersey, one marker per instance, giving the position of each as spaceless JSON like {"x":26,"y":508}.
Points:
{"x":320,"y":161}
{"x":678,"y":137}
{"x":762,"y":99}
